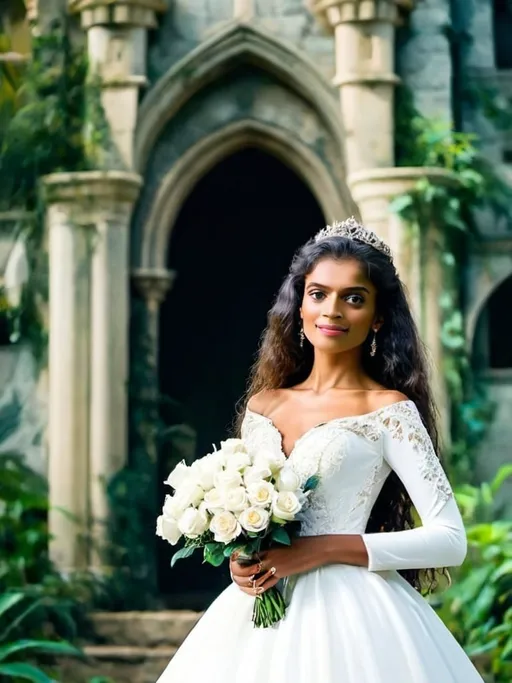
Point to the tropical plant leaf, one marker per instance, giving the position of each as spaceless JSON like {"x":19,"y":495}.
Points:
{"x":26,"y":671}
{"x":42,"y":646}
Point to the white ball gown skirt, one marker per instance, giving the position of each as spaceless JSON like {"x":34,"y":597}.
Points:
{"x":344,"y":625}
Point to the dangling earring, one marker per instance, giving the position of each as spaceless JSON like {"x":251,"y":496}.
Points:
{"x":373,"y":347}
{"x":302,"y":336}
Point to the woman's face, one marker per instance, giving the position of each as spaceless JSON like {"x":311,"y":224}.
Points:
{"x":339,"y":305}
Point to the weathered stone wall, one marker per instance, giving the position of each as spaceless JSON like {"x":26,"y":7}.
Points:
{"x":189,"y":22}
{"x":424,"y":60}
{"x":23,"y":409}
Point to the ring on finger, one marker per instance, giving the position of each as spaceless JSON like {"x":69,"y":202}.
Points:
{"x":272,"y":571}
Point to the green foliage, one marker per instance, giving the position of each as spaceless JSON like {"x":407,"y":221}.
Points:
{"x":51,"y":120}
{"x":57,"y":605}
{"x":472,"y":184}
{"x":477,"y":608}
{"x":14,"y":653}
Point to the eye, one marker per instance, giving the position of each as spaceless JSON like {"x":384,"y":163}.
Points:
{"x":355,"y":299}
{"x":317,"y":295}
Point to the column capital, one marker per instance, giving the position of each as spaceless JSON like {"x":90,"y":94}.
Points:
{"x":92,"y":195}
{"x":335,"y":12}
{"x":141,"y":13}
{"x":153,"y":284}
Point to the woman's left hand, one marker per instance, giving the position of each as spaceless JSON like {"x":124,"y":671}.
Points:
{"x":305,"y":554}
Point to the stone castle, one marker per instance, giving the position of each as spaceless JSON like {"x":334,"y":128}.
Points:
{"x":243,"y":126}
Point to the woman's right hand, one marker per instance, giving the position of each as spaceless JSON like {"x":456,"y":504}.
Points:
{"x":248,"y":578}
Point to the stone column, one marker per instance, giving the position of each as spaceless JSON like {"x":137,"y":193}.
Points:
{"x":88,"y":221}
{"x":364,"y":33}
{"x":417,"y":255}
{"x":153,"y":284}
{"x":117,"y":48}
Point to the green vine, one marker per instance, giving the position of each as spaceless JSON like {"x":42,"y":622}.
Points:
{"x":421,"y":142}
{"x":52,"y":121}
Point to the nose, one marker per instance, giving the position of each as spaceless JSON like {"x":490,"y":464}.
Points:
{"x":332,"y":309}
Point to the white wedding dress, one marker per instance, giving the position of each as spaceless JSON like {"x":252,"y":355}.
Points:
{"x":346,"y":624}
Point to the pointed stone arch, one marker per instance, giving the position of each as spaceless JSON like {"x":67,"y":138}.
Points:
{"x":235,"y":44}
{"x":207,"y":153}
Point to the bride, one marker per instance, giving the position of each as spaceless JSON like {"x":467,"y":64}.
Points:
{"x":340,"y":388}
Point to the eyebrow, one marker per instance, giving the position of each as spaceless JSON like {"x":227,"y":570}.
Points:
{"x":355,"y":288}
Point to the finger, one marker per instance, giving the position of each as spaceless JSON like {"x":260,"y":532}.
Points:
{"x":243,"y":581}
{"x":238,"y":570}
{"x":270,"y":583}
{"x":247,"y":591}
{"x":266,"y":576}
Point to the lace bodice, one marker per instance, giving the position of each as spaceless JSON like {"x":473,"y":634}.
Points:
{"x":354,"y":456}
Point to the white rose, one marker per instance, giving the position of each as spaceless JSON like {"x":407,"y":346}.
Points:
{"x":172,"y":509}
{"x":213,"y":500}
{"x":256,"y":473}
{"x":254,"y":519}
{"x":188,"y":494}
{"x":225,"y":527}
{"x":228,"y":479}
{"x":260,"y":493}
{"x":178,"y":476}
{"x":288,"y":480}
{"x":235,"y":500}
{"x":238,"y":461}
{"x":286,"y":505}
{"x":204,"y":470}
{"x":168,"y":530}
{"x":217,"y":458}
{"x":274,"y":461}
{"x":193,"y":523}
{"x":232,"y":446}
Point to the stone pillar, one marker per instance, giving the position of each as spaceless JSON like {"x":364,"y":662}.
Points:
{"x":364,"y":33}
{"x":88,"y":221}
{"x":117,"y":48}
{"x":153,"y":284}
{"x":417,"y":254}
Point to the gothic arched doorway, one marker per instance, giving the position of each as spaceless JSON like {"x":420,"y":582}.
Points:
{"x":231,"y":246}
{"x":492,"y":360}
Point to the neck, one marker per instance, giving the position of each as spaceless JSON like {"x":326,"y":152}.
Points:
{"x":337,"y":371}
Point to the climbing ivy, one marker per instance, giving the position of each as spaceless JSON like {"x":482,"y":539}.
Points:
{"x":476,"y":184}
{"x":52,"y":121}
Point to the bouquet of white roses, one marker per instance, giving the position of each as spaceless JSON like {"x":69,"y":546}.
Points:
{"x":235,"y":499}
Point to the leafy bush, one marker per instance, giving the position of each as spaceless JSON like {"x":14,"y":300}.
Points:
{"x":14,"y":653}
{"x":477,"y":608}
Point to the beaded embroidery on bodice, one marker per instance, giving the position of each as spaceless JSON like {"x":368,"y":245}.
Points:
{"x":349,"y":454}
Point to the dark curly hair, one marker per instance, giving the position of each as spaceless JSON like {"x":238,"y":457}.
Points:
{"x":400,"y":363}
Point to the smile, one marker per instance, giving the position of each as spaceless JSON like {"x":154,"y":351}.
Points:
{"x":332,"y":330}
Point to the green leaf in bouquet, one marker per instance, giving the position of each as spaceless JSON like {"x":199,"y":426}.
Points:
{"x":311,"y":483}
{"x":231,"y":547}
{"x":280,"y":535}
{"x":187,"y":551}
{"x":213,"y":554}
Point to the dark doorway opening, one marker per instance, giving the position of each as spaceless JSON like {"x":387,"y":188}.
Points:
{"x":231,"y":248}
{"x":502,"y":32}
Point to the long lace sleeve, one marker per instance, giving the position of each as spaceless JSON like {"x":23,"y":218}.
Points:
{"x":441,"y":540}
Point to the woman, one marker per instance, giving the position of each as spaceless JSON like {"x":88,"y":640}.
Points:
{"x":340,"y":387}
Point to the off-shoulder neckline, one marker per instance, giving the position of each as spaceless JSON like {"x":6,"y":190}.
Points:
{"x":345,"y":418}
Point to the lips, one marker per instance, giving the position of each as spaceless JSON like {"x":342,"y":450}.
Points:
{"x":333,"y":328}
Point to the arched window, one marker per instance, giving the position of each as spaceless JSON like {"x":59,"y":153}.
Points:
{"x":493,"y":346}
{"x":502,"y":33}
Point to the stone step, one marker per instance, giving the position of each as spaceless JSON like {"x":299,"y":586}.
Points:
{"x":144,"y":629}
{"x":120,"y":663}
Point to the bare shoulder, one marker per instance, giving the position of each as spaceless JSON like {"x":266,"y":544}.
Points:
{"x":384,"y":398}
{"x":264,"y":402}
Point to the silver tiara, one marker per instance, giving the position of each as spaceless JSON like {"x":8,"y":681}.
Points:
{"x":352,"y":230}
